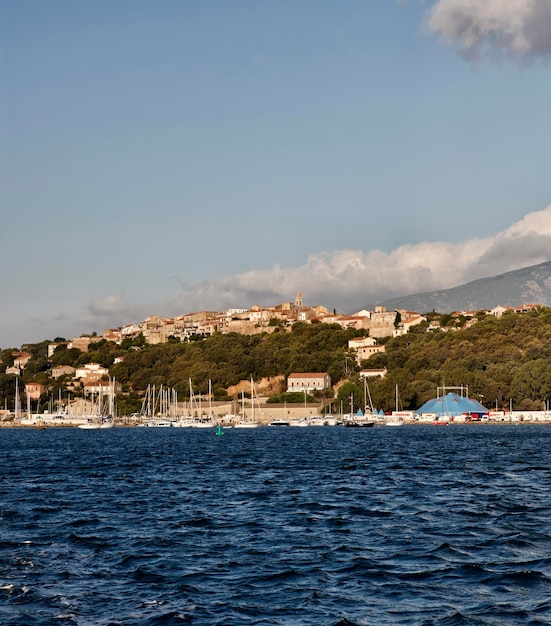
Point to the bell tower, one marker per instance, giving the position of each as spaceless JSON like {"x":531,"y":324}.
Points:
{"x":298,"y":299}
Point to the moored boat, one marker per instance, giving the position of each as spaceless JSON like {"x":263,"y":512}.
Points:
{"x":250,"y":422}
{"x":94,"y":424}
{"x":299,"y":423}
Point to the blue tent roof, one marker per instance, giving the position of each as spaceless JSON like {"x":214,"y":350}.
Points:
{"x":452,"y":404}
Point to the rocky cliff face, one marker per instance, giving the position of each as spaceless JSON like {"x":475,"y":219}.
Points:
{"x":264,"y":387}
{"x":527,"y":285}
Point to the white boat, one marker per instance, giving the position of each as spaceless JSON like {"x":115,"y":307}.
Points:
{"x":245,"y":422}
{"x":99,"y":420}
{"x":192,"y":422}
{"x":94,"y":425}
{"x":363,"y":418}
{"x":358,"y":420}
{"x":198,"y":420}
{"x":156,"y":424}
{"x":396,"y":417}
{"x":317,"y":420}
{"x":207,"y":423}
{"x":159,"y":410}
{"x":300,"y":423}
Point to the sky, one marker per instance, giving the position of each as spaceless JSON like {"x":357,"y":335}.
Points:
{"x":173,"y":156}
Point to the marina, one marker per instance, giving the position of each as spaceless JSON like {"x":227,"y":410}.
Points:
{"x":232,"y":421}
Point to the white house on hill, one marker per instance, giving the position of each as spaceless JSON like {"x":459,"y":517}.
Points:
{"x":308,"y":382}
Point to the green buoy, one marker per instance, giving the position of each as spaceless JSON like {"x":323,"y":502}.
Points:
{"x":219,"y":430}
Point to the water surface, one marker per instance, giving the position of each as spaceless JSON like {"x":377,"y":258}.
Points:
{"x":301,"y":526}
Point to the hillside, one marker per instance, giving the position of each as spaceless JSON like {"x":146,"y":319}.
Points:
{"x":527,"y":285}
{"x":501,"y":360}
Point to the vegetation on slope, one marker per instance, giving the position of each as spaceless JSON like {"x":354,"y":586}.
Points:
{"x":501,"y":360}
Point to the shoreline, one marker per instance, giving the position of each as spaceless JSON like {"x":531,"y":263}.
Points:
{"x":381,"y":424}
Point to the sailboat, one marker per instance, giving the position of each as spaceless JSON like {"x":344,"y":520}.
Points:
{"x":189,"y":420}
{"x":159,"y":412}
{"x":244,"y":422}
{"x":396,"y":418}
{"x":99,"y":420}
{"x":203,"y":422}
{"x":362,"y":419}
{"x":24,"y":421}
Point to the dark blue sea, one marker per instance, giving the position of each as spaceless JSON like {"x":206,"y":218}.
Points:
{"x":288,"y":526}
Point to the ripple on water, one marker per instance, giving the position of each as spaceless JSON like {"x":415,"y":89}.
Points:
{"x":298,"y":527}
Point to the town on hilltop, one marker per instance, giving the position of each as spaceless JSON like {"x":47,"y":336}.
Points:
{"x":377,"y":324}
{"x":370,"y":331}
{"x":260,"y":319}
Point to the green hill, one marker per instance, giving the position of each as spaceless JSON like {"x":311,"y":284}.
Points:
{"x":501,"y":360}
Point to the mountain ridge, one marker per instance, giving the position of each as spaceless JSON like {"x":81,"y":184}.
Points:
{"x":530,"y":284}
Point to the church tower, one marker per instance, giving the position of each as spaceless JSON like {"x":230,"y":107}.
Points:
{"x":298,"y":300}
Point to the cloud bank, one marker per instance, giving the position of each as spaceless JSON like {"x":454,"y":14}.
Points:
{"x":347,"y":280}
{"x":350,"y":279}
{"x":496,"y":28}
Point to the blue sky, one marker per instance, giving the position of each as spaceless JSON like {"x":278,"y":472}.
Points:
{"x":169,"y":156}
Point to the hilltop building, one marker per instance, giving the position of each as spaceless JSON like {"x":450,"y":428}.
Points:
{"x":34,"y":390}
{"x":364,"y":347}
{"x":382,"y":322}
{"x":82,"y":343}
{"x":308,"y":382}
{"x":62,"y":370}
{"x":408,"y":319}
{"x":373,"y":373}
{"x":101,"y":388}
{"x":91,"y":372}
{"x":21,"y":359}
{"x":52,"y":347}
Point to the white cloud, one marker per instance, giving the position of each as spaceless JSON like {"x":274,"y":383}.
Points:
{"x":346,"y":280}
{"x":515,"y":28}
{"x":350,"y":279}
{"x":109,"y":312}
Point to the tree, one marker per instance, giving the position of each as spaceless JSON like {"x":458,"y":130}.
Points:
{"x":291,"y":397}
{"x":351,"y":395}
{"x":64,"y":356}
{"x":532,"y":381}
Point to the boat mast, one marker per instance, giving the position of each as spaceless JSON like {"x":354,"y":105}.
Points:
{"x":366,"y":389}
{"x":17,"y":400}
{"x":252,"y":400}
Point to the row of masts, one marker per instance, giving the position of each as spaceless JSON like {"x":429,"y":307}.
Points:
{"x":99,"y":405}
{"x":163,"y":403}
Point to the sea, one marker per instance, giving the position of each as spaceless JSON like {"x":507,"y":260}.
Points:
{"x":418,"y":525}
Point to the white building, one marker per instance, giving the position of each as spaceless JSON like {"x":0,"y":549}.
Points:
{"x":89,"y":370}
{"x":308,"y":382}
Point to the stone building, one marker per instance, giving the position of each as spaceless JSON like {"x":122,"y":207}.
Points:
{"x":308,"y":381}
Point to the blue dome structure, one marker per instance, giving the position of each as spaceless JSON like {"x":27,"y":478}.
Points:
{"x":451,"y":405}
